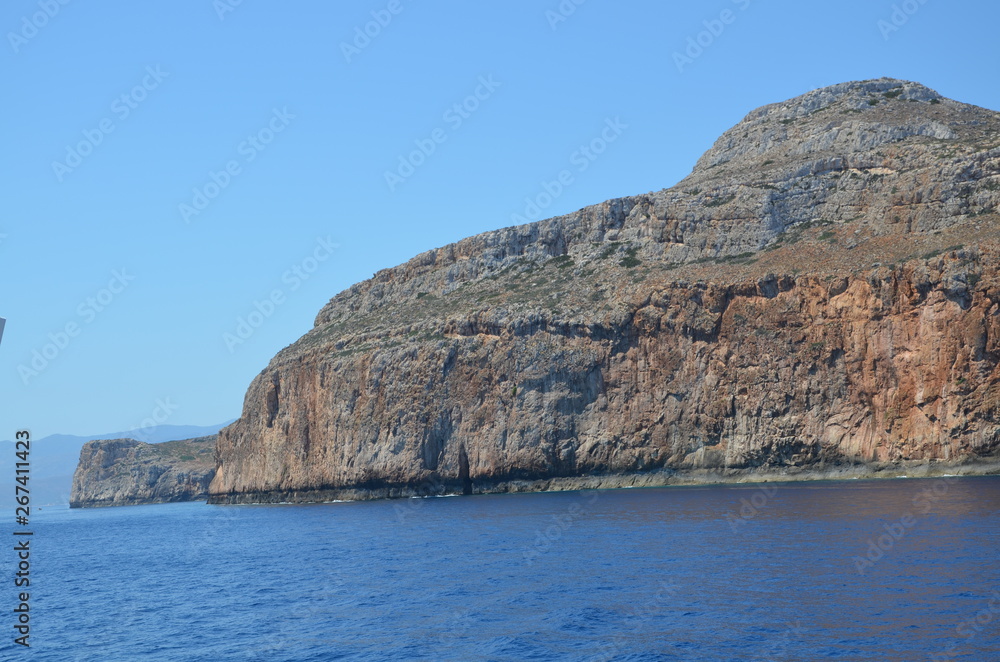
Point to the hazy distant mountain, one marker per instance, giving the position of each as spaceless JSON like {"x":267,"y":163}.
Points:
{"x":54,"y":458}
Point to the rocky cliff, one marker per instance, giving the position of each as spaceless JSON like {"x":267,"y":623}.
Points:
{"x":123,"y":472}
{"x":820,"y":294}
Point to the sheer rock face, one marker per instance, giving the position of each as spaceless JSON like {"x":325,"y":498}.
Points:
{"x":123,"y":472}
{"x":822,"y":290}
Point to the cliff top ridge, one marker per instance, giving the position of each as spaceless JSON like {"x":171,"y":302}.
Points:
{"x":864,"y":172}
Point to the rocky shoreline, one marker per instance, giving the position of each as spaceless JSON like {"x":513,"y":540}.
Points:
{"x":818,"y":300}
{"x":662,"y":478}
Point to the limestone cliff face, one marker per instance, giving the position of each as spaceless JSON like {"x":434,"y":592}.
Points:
{"x":122,"y":472}
{"x":822,"y":290}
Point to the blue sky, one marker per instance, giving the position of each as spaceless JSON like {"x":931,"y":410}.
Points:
{"x":173,"y":167}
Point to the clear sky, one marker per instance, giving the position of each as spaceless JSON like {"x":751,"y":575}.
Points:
{"x":169,"y":165}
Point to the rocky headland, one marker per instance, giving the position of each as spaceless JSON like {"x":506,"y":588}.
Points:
{"x":125,"y":472}
{"x":820,"y":297}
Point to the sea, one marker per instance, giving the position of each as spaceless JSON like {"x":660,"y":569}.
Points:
{"x":893,"y":569}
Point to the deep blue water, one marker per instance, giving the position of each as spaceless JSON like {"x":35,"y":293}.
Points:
{"x":643,"y":574}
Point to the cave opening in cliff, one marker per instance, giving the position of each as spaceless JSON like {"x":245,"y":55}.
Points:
{"x":463,"y":470}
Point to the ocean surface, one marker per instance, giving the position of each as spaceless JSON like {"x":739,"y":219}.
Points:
{"x":889,"y":570}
